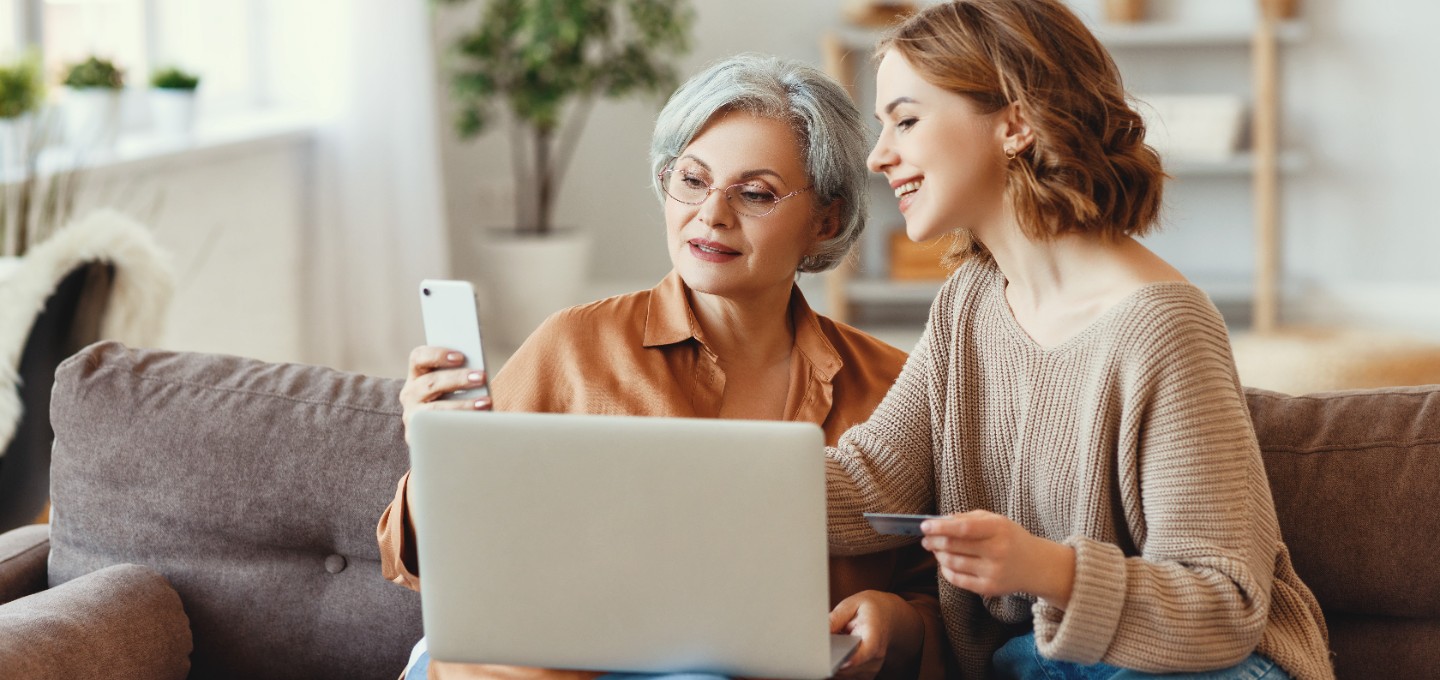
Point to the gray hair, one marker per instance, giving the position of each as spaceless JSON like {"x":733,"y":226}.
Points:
{"x":832,"y":134}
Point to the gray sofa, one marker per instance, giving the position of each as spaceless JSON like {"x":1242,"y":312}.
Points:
{"x":214,"y":517}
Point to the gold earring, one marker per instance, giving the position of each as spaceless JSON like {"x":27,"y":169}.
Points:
{"x":1010,"y":154}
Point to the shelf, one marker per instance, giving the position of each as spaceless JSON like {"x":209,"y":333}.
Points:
{"x":1177,"y":34}
{"x":1248,"y":297}
{"x":1223,"y":289}
{"x":877,"y":290}
{"x":1240,"y":164}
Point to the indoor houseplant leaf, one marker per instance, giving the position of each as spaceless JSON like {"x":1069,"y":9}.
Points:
{"x":545,"y":62}
{"x":174,"y":78}
{"x":95,"y":73}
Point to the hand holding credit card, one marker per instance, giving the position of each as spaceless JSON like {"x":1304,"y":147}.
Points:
{"x":895,"y":524}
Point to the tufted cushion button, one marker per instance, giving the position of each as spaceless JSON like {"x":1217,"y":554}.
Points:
{"x":335,"y":564}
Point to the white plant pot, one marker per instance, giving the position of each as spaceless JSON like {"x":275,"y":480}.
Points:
{"x":172,"y":112}
{"x":14,"y":143}
{"x":92,"y":118}
{"x":526,"y":279}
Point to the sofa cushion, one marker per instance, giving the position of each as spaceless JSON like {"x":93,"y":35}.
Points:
{"x":121,"y":623}
{"x":1356,"y":480}
{"x":23,"y":553}
{"x":240,"y":481}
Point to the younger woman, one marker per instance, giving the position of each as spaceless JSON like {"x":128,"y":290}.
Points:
{"x":1073,"y":407}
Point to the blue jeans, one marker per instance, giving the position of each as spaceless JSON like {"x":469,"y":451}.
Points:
{"x":420,"y":664}
{"x":1019,"y":658}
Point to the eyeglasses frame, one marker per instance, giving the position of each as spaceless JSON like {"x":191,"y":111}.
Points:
{"x":724,"y":193}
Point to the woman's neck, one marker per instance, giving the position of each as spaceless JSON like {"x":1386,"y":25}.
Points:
{"x":1073,"y":267}
{"x":756,"y":330}
{"x":1041,"y":271}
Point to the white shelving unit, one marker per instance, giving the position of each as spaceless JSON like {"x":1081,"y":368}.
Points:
{"x":1249,"y":294}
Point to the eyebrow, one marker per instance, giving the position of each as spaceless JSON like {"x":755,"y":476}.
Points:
{"x":894,"y":103}
{"x":747,"y":175}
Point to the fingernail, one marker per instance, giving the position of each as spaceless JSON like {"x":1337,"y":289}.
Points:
{"x":453,"y":357}
{"x":927,"y":525}
{"x":473,"y":377}
{"x":481,"y":404}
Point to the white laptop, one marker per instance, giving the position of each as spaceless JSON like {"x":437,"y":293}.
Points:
{"x":624,"y":543}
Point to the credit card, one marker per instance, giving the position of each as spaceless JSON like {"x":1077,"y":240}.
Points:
{"x":894,"y":524}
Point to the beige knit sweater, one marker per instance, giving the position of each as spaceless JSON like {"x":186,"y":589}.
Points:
{"x":1130,"y":442}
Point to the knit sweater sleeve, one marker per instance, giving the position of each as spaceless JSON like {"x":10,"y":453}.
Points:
{"x":1197,"y":505}
{"x":886,"y":463}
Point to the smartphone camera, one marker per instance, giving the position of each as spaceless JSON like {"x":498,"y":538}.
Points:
{"x":425,"y":291}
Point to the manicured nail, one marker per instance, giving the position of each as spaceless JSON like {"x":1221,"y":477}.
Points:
{"x":481,"y":404}
{"x":453,"y":357}
{"x":473,"y":377}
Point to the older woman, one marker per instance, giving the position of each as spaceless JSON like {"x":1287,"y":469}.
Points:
{"x":759,"y":164}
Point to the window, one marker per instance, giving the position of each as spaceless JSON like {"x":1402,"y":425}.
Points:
{"x":216,"y":39}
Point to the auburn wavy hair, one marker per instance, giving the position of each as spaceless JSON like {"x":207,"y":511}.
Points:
{"x":1088,"y":169}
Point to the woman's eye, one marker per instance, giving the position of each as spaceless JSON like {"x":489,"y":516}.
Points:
{"x":905,"y":123}
{"x":754,"y":195}
{"x":693,"y":182}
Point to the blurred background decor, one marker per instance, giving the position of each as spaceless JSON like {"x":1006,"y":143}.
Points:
{"x":173,"y":101}
{"x":538,"y":66}
{"x":92,"y":104}
{"x":878,"y":13}
{"x":1125,"y":11}
{"x":22,"y":93}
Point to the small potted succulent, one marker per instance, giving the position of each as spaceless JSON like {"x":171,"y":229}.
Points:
{"x":172,"y":101}
{"x":92,"y":103}
{"x":22,"y":91}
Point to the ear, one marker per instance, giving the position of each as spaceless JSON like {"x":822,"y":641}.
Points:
{"x":827,"y":220}
{"x":1014,"y":129}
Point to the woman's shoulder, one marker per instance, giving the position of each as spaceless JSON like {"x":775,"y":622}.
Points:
{"x":858,"y":348}
{"x":1167,"y":308}
{"x":1165,"y":325}
{"x":619,"y":312}
{"x":969,"y":284}
{"x":577,"y":335}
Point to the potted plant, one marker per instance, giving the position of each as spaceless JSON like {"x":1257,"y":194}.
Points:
{"x":22,"y":90}
{"x":542,"y":64}
{"x":172,"y":101}
{"x":92,"y":103}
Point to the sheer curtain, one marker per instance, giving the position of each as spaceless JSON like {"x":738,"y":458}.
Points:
{"x":366,"y":68}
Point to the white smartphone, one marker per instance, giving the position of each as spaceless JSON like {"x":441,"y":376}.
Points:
{"x":452,"y":321}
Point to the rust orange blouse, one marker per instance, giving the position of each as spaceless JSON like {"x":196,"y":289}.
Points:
{"x":644,"y":354}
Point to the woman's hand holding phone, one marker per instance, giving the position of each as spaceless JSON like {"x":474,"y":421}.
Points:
{"x":448,"y":372}
{"x":434,"y":373}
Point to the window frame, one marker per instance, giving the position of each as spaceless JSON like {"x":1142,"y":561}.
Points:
{"x":30,"y":31}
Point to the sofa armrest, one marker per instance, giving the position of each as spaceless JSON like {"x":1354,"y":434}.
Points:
{"x":121,"y":622}
{"x":23,"y":553}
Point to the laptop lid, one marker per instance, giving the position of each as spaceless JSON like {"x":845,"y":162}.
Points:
{"x":623,"y":543}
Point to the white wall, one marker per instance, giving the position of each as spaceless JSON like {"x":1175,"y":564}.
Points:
{"x":234,"y":222}
{"x":1361,"y":230}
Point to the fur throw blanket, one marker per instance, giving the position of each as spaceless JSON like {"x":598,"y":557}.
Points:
{"x":134,"y":314}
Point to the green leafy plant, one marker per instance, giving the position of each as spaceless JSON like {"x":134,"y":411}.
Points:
{"x":22,"y":87}
{"x":95,"y":73}
{"x":544,"y":62}
{"x":174,"y":78}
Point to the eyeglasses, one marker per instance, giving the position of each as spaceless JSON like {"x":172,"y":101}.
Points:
{"x":752,"y":200}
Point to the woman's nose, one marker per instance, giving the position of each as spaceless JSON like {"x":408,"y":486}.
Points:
{"x":882,"y":156}
{"x":715,"y":210}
